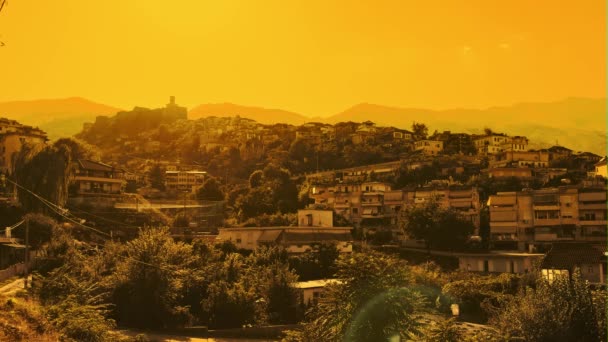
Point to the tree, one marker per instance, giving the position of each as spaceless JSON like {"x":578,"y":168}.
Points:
{"x":562,"y":310}
{"x":157,"y":177}
{"x":150,"y":279}
{"x":44,"y":172}
{"x":40,"y":229}
{"x":419,"y":130}
{"x":210,"y":190}
{"x":256,"y":178}
{"x":374,"y":301}
{"x":439,"y":227}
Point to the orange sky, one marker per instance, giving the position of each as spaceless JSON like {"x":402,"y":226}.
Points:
{"x":314,"y":57}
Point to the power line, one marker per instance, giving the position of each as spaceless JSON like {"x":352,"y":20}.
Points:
{"x":58,"y":209}
{"x":52,"y":205}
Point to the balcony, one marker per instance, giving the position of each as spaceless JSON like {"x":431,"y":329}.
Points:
{"x":591,"y":206}
{"x":546,"y":206}
{"x":373,"y":215}
{"x":503,"y":209}
{"x":548,"y":222}
{"x":593,"y":222}
{"x":592,"y":196}
{"x":552,"y":237}
{"x":98,"y":179}
{"x":341,"y":205}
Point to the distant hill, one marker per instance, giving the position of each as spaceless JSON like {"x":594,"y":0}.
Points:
{"x":261,"y":115}
{"x":577,"y":123}
{"x":58,"y":117}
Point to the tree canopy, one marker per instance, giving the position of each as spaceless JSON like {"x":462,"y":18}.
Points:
{"x":439,"y":227}
{"x":210,"y":190}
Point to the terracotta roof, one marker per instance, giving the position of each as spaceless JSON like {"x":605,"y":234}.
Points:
{"x":93,"y":165}
{"x":567,"y":255}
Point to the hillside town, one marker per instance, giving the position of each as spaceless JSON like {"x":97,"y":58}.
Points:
{"x":481,"y":204}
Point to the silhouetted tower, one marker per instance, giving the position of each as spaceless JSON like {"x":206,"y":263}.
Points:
{"x":171,"y":100}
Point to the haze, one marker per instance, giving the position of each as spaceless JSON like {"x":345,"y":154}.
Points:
{"x":313,"y":57}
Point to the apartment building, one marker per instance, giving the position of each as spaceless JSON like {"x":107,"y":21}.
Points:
{"x":13,"y":136}
{"x":376,"y":203}
{"x":429,"y":147}
{"x":496,"y":143}
{"x":521,"y":159}
{"x":176,"y":180}
{"x":534,"y":219}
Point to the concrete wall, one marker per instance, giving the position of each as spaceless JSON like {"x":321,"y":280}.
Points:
{"x":498,"y":263}
{"x":315,"y":218}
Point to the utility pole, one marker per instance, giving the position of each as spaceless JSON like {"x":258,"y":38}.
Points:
{"x":27,"y":251}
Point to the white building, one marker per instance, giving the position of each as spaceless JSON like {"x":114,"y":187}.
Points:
{"x":184,"y":180}
{"x":430,"y":147}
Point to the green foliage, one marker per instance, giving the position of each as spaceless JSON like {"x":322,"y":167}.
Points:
{"x":445,"y":330}
{"x":46,"y":172}
{"x":419,"y":130}
{"x":375,"y":301}
{"x":439,"y":227}
{"x":319,"y":264}
{"x":210,"y":190}
{"x":273,"y":220}
{"x":250,"y":290}
{"x":256,"y":178}
{"x":149,"y":281}
{"x":477,"y":295}
{"x":275,"y":192}
{"x":562,"y":310}
{"x":157,"y":177}
{"x":40,"y":229}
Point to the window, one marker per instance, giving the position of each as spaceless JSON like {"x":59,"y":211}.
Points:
{"x":486,"y":266}
{"x":355,"y":210}
{"x":238,"y":240}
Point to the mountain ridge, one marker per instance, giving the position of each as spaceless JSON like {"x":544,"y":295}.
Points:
{"x":566,"y":121}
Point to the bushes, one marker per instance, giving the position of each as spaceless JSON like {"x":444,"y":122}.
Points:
{"x":478,"y":294}
{"x":562,"y":310}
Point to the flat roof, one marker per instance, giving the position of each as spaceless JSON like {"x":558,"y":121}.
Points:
{"x":286,"y":228}
{"x":311,"y":284}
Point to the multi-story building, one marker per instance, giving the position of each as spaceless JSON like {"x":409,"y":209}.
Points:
{"x":184,"y":181}
{"x":496,"y":143}
{"x":534,"y":219}
{"x":376,"y":204}
{"x":13,"y":136}
{"x":95,"y":178}
{"x":515,"y":144}
{"x":521,"y":159}
{"x":430,"y":147}
{"x":490,"y":144}
{"x":600,"y":169}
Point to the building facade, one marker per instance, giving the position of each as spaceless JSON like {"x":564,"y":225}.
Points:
{"x":429,"y":147}
{"x":96,"y":178}
{"x":317,"y":229}
{"x":184,"y":181}
{"x":13,"y":136}
{"x":534,"y":219}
